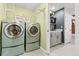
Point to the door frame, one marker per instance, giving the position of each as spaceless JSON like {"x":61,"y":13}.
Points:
{"x":48,"y":28}
{"x":63,"y":40}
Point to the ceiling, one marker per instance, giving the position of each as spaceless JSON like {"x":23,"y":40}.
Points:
{"x":70,"y":7}
{"x":30,"y":6}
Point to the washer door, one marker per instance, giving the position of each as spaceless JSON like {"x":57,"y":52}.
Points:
{"x":33,"y":30}
{"x":13,"y":31}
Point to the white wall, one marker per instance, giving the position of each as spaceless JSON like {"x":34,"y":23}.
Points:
{"x":77,"y":22}
{"x":67,"y":27}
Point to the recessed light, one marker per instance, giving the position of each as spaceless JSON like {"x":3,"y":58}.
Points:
{"x":53,"y":8}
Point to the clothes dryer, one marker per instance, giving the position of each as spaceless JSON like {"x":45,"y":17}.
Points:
{"x":32,"y":36}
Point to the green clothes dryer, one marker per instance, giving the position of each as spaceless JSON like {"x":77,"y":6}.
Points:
{"x":32,"y":36}
{"x":13,"y":38}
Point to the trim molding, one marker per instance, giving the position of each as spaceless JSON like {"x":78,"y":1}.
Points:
{"x":46,"y":53}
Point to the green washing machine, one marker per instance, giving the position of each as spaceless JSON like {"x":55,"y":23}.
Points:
{"x":13,"y":38}
{"x":32,"y":36}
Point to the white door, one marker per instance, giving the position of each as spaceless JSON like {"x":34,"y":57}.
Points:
{"x":68,"y":18}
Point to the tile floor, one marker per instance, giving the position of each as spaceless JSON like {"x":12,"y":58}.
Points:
{"x":70,"y":49}
{"x":37,"y":52}
{"x":60,"y":50}
{"x":65,"y":50}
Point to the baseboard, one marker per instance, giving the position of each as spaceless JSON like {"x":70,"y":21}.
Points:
{"x":67,"y":42}
{"x":44,"y":51}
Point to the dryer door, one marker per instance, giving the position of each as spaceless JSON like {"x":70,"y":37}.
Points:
{"x":13,"y":31}
{"x":33,"y":30}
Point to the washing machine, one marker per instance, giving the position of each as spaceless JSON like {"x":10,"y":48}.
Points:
{"x":13,"y":38}
{"x":32,"y":36}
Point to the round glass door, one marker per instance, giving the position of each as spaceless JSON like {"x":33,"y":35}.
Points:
{"x":13,"y":31}
{"x":33,"y":31}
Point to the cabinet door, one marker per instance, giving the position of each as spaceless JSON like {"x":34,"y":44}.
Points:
{"x":58,"y":37}
{"x":53,"y":38}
